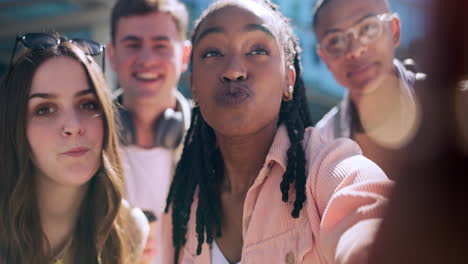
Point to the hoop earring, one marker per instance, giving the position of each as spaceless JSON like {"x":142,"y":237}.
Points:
{"x":289,"y":97}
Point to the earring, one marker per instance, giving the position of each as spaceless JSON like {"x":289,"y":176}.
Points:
{"x":195,"y":102}
{"x":289,"y":97}
{"x":244,"y":76}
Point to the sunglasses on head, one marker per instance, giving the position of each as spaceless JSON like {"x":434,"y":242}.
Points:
{"x":41,"y":41}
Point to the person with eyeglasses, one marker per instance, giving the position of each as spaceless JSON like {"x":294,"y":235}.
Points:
{"x":357,"y":41}
{"x":61,"y":177}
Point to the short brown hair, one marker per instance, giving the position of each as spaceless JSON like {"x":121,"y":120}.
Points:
{"x":125,"y":8}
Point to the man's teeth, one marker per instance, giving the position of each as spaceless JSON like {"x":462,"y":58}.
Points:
{"x":147,"y":76}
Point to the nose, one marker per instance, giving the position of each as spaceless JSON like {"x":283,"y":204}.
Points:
{"x":234,"y":71}
{"x":72,"y":125}
{"x":148,"y":57}
{"x":355,"y":48}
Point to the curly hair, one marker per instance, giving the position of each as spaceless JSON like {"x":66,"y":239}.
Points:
{"x":200,"y":169}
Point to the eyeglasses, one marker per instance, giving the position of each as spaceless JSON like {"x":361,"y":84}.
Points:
{"x":40,"y":41}
{"x":368,"y":30}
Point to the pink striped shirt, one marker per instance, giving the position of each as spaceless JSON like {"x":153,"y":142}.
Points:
{"x":346,"y":197}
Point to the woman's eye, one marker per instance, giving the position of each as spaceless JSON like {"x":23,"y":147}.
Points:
{"x":44,"y":110}
{"x":211,"y":53}
{"x":90,"y":106}
{"x":259,"y":51}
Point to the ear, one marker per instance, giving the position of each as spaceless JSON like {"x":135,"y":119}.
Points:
{"x":111,"y":54}
{"x":396,"y":31}
{"x":187,"y":50}
{"x":290,"y":79}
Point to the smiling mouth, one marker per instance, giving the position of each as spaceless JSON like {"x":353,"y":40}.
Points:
{"x":147,"y":76}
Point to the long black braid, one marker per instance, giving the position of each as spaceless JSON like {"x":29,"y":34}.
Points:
{"x":200,"y":169}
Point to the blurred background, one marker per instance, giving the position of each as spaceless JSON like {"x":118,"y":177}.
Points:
{"x":91,"y":18}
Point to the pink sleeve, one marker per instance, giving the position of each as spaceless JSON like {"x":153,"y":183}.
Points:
{"x":350,"y":194}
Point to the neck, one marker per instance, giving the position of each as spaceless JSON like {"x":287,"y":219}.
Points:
{"x":59,"y":209}
{"x":145,"y":112}
{"x":244,"y":157}
{"x":383,"y":101}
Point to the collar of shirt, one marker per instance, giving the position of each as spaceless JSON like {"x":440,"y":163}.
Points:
{"x":278,"y":151}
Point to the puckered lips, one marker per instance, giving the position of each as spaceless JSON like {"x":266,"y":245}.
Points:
{"x":233,"y":94}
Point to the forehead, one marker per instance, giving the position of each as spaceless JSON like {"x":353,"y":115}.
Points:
{"x":59,"y":75}
{"x":340,"y":14}
{"x":151,"y":24}
{"x":235,"y":18}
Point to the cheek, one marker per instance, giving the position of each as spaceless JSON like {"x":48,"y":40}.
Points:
{"x":124,"y":62}
{"x":338,"y":69}
{"x":386,"y":53}
{"x":336,"y":65}
{"x":270,"y":82}
{"x":95,"y":131}
{"x":204,"y":82}
{"x":41,"y":138}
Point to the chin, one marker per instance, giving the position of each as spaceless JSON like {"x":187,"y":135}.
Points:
{"x":366,"y":87}
{"x":79,"y":176}
{"x":230,"y":131}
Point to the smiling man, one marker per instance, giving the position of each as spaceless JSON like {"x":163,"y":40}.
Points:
{"x":357,"y":41}
{"x":149,"y":52}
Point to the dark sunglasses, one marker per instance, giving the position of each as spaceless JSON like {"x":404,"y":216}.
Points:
{"x":40,"y":41}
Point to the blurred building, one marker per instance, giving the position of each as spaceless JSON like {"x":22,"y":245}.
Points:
{"x":90,"y":19}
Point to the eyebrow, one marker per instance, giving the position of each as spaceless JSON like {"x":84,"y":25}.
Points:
{"x":51,"y":96}
{"x":254,"y":27}
{"x":208,"y":31}
{"x":247,"y":28}
{"x":135,"y":38}
{"x":333,"y":30}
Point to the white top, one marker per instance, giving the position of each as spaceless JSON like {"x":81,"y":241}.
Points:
{"x":147,"y":181}
{"x":217,"y":256}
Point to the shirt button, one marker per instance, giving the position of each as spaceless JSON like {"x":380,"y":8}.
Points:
{"x":290,"y":258}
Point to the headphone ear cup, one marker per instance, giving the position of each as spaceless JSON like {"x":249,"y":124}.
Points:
{"x":126,"y":126}
{"x":169,"y":129}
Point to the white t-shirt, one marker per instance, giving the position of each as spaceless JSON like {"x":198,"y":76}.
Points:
{"x":147,"y":181}
{"x":217,"y":256}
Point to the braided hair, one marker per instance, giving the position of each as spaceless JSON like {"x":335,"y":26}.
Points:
{"x":200,"y":169}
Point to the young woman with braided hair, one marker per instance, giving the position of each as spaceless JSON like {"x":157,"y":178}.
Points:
{"x":250,"y":146}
